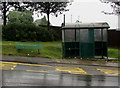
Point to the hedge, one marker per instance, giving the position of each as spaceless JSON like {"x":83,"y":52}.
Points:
{"x":28,"y":32}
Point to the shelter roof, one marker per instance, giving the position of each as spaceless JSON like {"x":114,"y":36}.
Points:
{"x":86,"y":25}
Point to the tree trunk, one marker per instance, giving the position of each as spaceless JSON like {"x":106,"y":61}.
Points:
{"x":4,"y":13}
{"x":48,"y":24}
{"x":48,"y":12}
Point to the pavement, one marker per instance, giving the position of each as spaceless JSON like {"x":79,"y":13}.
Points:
{"x":39,"y":60}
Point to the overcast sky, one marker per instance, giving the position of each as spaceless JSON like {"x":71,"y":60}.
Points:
{"x":86,"y":11}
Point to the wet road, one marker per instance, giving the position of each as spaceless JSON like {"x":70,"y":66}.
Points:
{"x":22,"y":74}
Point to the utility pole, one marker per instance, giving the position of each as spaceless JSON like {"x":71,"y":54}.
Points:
{"x":71,"y":18}
{"x":78,"y":18}
{"x":64,"y":20}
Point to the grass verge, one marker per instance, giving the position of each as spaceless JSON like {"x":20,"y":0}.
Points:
{"x":113,"y":52}
{"x":49,"y":50}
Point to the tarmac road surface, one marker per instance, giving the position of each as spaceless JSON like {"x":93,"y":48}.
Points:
{"x":23,"y":74}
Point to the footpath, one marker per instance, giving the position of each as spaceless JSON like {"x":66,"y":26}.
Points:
{"x":39,"y":60}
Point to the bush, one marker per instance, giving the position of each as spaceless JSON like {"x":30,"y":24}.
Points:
{"x":55,"y":35}
{"x":9,"y":33}
{"x":28,"y":32}
{"x":43,"y":35}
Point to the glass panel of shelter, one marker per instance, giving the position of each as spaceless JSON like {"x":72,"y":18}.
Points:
{"x":69,"y":35}
{"x":84,"y":35}
{"x":97,"y":35}
{"x":100,"y":35}
{"x":76,"y":35}
{"x":105,"y":35}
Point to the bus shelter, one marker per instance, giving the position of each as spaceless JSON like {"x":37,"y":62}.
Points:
{"x":84,"y":40}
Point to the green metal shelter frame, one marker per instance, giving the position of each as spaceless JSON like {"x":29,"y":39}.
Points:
{"x":84,"y":40}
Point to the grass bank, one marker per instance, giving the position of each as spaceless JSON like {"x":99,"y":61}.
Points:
{"x":113,"y":52}
{"x":49,"y":50}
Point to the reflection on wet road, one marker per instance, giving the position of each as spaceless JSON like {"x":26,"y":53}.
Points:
{"x":22,"y":74}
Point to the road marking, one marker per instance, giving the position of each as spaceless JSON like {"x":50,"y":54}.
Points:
{"x":109,"y":71}
{"x":72,"y":70}
{"x":26,"y":64}
{"x":7,"y":66}
{"x":37,"y":71}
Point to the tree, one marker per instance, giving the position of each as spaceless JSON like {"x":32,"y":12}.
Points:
{"x":20,"y":17}
{"x":50,"y":8}
{"x":41,"y":7}
{"x":6,"y":7}
{"x":115,"y":4}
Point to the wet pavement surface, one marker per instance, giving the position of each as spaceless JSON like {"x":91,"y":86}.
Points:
{"x":39,"y":60}
{"x":23,"y":74}
{"x":22,"y":78}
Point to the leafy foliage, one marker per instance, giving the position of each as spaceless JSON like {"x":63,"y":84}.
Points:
{"x":50,"y":8}
{"x":6,"y":8}
{"x":41,"y":7}
{"x":28,"y":32}
{"x":115,"y":4}
{"x":20,"y":17}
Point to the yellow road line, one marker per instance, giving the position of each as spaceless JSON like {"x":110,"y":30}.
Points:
{"x":109,"y":71}
{"x":12,"y":68}
{"x":7,"y":66}
{"x":26,"y":64}
{"x":37,"y":71}
{"x":72,"y":70}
